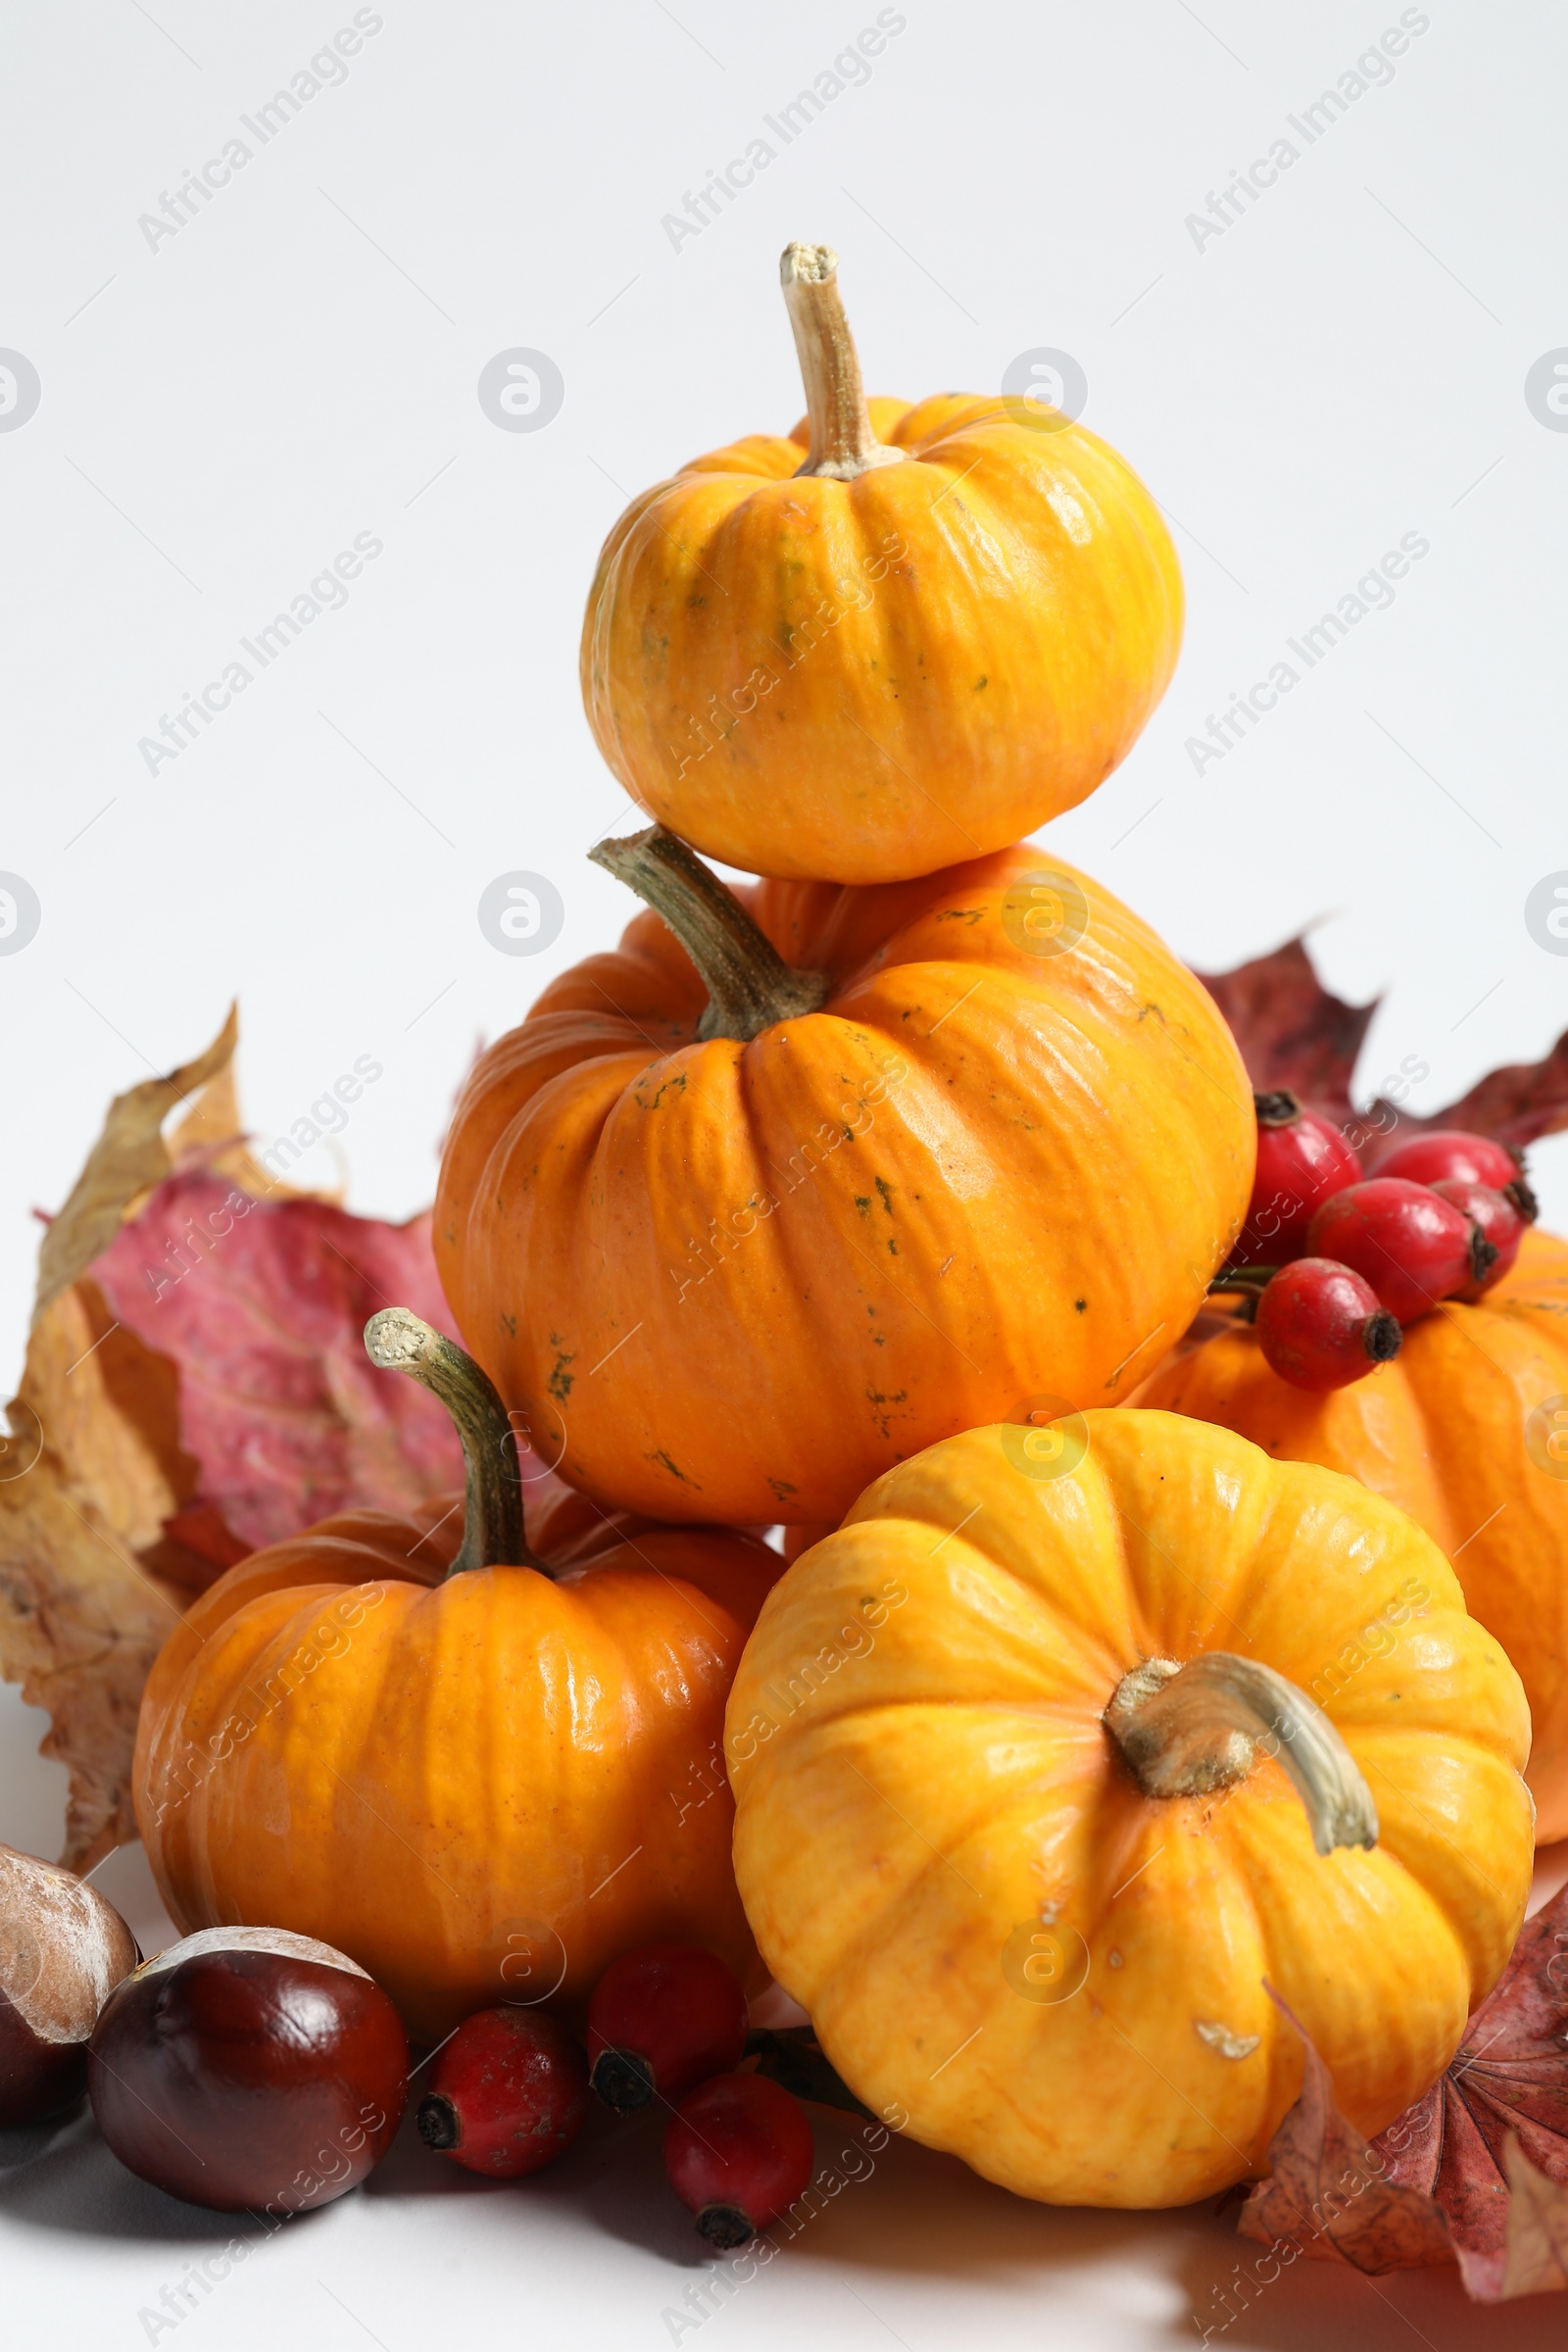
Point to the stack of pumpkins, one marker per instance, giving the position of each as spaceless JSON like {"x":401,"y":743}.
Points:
{"x":861,"y":1199}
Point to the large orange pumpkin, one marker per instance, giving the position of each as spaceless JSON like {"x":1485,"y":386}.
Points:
{"x":479,"y":1778}
{"x":1467,"y":1431}
{"x":734,"y":1230}
{"x":1009,"y":1754}
{"x":901,"y":637}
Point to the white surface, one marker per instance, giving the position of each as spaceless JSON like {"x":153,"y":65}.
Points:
{"x":911,"y":2249}
{"x":299,"y":365}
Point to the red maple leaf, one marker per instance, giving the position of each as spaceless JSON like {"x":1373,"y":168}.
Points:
{"x":1475,"y":2171}
{"x":1294,"y":1035}
{"x":260,"y":1306}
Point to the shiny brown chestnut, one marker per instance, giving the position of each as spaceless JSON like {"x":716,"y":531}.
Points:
{"x":249,"y":2069}
{"x":63,"y":1951}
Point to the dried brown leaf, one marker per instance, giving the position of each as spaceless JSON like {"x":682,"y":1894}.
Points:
{"x":128,"y":1158}
{"x":79,"y":1626}
{"x":212,"y":1133}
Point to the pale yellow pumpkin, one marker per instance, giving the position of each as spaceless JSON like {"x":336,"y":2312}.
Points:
{"x":1004,"y":1941}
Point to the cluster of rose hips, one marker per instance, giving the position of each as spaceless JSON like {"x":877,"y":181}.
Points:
{"x":668,"y":2023}
{"x":1332,"y":1266}
{"x":250,"y":2069}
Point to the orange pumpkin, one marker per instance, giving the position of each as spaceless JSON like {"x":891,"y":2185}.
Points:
{"x":797,"y":1539}
{"x":735,"y":1229}
{"x":1012,"y":1754}
{"x":901,"y":637}
{"x":480,"y":1772}
{"x":1467,"y":1429}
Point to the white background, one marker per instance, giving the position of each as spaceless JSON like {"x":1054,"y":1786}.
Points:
{"x":221,"y":415}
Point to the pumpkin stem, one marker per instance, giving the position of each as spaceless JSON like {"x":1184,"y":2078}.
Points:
{"x":842,"y":442}
{"x":750,"y":986}
{"x":395,"y":1341}
{"x":1187,"y":1729}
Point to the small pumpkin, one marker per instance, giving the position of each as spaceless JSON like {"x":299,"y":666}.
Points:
{"x":1013,"y":1754}
{"x":802,"y":1179}
{"x":1467,"y":1431}
{"x":902,"y":636}
{"x":479,"y":1771}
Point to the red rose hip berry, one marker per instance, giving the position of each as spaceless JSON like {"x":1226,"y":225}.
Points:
{"x":508,"y":2094}
{"x":1499,"y":1221}
{"x":738,"y":2153}
{"x":1447,"y":1156}
{"x":249,"y":2068}
{"x":662,"y":2018}
{"x":1413,"y":1246}
{"x":1301,"y":1161}
{"x":1320,"y":1326}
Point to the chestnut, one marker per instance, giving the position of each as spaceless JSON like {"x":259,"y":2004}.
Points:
{"x":249,"y":2069}
{"x":63,"y":1951}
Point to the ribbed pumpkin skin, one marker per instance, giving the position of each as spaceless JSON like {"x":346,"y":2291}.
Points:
{"x":735,"y":1281}
{"x":922,"y":1779}
{"x":1441,"y":1432}
{"x":870,"y":679}
{"x":483,"y":1790}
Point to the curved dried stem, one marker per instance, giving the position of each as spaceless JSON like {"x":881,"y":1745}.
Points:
{"x":493,"y":1537}
{"x":843,"y":442}
{"x":1187,"y":1729}
{"x":750,"y":986}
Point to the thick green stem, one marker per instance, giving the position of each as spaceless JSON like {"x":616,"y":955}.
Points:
{"x":750,"y":986}
{"x":1187,"y":1730}
{"x":842,"y":442}
{"x":395,"y":1341}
